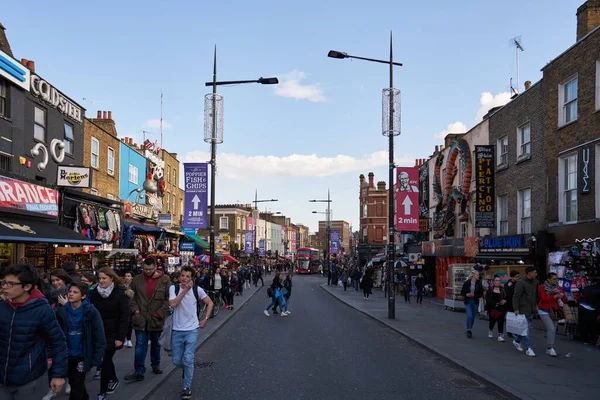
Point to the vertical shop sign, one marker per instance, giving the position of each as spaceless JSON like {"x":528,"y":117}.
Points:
{"x":485,"y":209}
{"x":585,"y":169}
{"x":261,"y":248}
{"x":196,"y":195}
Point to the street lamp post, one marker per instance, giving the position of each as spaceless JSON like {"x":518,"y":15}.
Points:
{"x":391,"y":128}
{"x":255,"y":216}
{"x":328,"y":227}
{"x":213,"y":133}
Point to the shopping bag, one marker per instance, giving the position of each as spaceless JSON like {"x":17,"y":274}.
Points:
{"x":517,"y":324}
{"x":165,"y":337}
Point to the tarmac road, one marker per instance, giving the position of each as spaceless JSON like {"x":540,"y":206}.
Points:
{"x":323,"y":350}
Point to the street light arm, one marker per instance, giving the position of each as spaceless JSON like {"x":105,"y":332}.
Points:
{"x":263,"y":81}
{"x":341,"y":55}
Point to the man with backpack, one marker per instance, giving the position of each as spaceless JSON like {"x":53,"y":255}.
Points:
{"x":186,"y":307}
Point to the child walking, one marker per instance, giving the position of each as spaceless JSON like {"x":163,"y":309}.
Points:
{"x":82,"y":325}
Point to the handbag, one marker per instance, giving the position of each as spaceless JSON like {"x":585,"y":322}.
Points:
{"x":557,"y":315}
{"x":495,"y":314}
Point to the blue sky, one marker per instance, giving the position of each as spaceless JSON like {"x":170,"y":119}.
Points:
{"x":321,"y":127}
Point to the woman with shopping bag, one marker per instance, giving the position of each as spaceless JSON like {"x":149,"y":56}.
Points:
{"x":495,"y":303}
{"x":472,"y":291}
{"x":550,"y":309}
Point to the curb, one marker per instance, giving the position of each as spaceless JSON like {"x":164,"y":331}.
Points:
{"x":501,"y":387}
{"x":146,"y":393}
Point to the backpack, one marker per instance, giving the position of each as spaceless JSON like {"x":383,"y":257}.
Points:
{"x":195,"y":290}
{"x":270,"y":292}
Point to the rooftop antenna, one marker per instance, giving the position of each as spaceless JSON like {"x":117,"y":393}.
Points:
{"x":161,"y":119}
{"x":147,"y":132}
{"x":517,"y":42}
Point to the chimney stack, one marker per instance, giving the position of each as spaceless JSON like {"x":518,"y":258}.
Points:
{"x":110,"y":115}
{"x":31,"y":65}
{"x":527,"y":85}
{"x":437,"y":149}
{"x":371,"y":184}
{"x":24,"y":62}
{"x":588,"y":17}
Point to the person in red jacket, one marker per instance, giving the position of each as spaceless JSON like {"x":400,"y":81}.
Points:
{"x":550,"y":293}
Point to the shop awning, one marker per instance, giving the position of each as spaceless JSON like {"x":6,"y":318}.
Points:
{"x":174,"y":232}
{"x":198,"y":240}
{"x":229,"y":258}
{"x":142,"y":228}
{"x":21,"y":229}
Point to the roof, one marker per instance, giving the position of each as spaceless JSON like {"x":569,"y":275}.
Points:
{"x":592,"y":32}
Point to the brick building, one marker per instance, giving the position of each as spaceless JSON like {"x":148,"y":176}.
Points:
{"x":571,"y":87}
{"x":101,"y":149}
{"x":343,"y":227}
{"x":373,"y":218}
{"x":172,"y":198}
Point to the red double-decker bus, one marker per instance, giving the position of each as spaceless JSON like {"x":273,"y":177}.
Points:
{"x":308,"y":260}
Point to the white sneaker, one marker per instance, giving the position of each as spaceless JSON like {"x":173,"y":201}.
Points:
{"x":501,"y":338}
{"x":50,"y":395}
{"x":67,"y":389}
{"x":490,"y":334}
{"x":530,"y":352}
{"x":283,"y":314}
{"x":517,"y":346}
{"x":267,"y":313}
{"x":288,"y":312}
{"x":551,"y":352}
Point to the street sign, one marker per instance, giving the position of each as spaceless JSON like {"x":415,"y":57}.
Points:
{"x":226,"y":238}
{"x":165,"y":219}
{"x":196,"y":195}
{"x":407,"y":199}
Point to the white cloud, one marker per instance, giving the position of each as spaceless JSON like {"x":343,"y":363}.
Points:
{"x":290,"y":86}
{"x":488,"y":100}
{"x":240,"y":167}
{"x":155,"y":124}
{"x":455,"y":127}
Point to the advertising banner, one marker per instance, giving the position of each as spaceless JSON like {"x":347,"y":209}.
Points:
{"x":407,"y":199}
{"x":261,"y":248}
{"x":249,"y":242}
{"x":186,"y":246}
{"x":165,"y":219}
{"x":26,"y":196}
{"x":485,"y":203}
{"x":424,"y":191}
{"x":334,"y":243}
{"x":195,"y":179}
{"x":80,"y":177}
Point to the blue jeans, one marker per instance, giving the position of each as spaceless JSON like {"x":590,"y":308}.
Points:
{"x":524,"y":340}
{"x":273,"y":302}
{"x":141,"y":349}
{"x":183,"y":344}
{"x":355,"y":284}
{"x":471,"y":308}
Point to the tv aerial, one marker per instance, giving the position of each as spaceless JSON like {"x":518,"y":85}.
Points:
{"x":517,"y":43}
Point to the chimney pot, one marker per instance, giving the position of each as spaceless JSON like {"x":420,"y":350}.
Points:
{"x":110,"y":115}
{"x":103,"y":114}
{"x":99,"y":114}
{"x":437,"y":149}
{"x":131,"y":141}
{"x":31,"y":65}
{"x":24,"y":62}
{"x":527,"y":85}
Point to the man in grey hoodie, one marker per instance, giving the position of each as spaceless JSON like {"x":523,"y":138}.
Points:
{"x":525,"y":302}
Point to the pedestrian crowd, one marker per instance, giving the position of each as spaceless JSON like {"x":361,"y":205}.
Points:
{"x":56,"y":329}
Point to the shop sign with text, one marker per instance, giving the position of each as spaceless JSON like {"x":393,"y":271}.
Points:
{"x":485,"y":213}
{"x":505,"y":244}
{"x":49,"y":94}
{"x":26,"y":196}
{"x":80,"y":177}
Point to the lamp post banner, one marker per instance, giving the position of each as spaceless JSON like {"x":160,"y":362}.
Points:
{"x":334,"y":244}
{"x":407,"y":199}
{"x":249,"y":242}
{"x":261,"y":248}
{"x":196,"y":195}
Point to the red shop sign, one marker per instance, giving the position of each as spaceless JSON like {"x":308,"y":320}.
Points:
{"x":21,"y":195}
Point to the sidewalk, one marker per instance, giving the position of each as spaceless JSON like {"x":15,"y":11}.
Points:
{"x":123,"y":359}
{"x":572,"y":375}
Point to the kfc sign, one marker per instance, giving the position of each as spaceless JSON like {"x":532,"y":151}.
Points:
{"x":407,"y":199}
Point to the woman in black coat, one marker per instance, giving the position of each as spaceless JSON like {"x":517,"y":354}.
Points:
{"x":367,"y":283}
{"x":112,"y":303}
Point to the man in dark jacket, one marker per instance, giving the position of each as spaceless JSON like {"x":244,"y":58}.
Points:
{"x":28,"y":331}
{"x":150,"y":308}
{"x":525,"y":303}
{"x":509,"y":289}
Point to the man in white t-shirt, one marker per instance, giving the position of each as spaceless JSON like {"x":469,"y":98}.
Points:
{"x":186,"y":324}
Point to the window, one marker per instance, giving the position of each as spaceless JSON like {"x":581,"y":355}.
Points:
{"x":111,"y":161}
{"x":238,"y":223}
{"x":567,"y":100}
{"x":167,"y":202}
{"x":5,"y":163}
{"x":502,"y":215}
{"x":524,"y":140}
{"x":503,"y":151}
{"x":69,"y":140}
{"x":464,"y":232}
{"x":95,"y":152}
{"x":598,"y":85}
{"x":133,"y":174}
{"x":365,"y":210}
{"x":223,"y":223}
{"x":168,"y":173}
{"x":244,"y":224}
{"x":94,"y":191}
{"x":4,"y":98}
{"x":524,"y":211}
{"x":110,"y":196}
{"x":173,"y":175}
{"x":39,"y":126}
{"x":567,"y":184}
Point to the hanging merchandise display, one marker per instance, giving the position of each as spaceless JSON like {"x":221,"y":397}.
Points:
{"x":122,"y":260}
